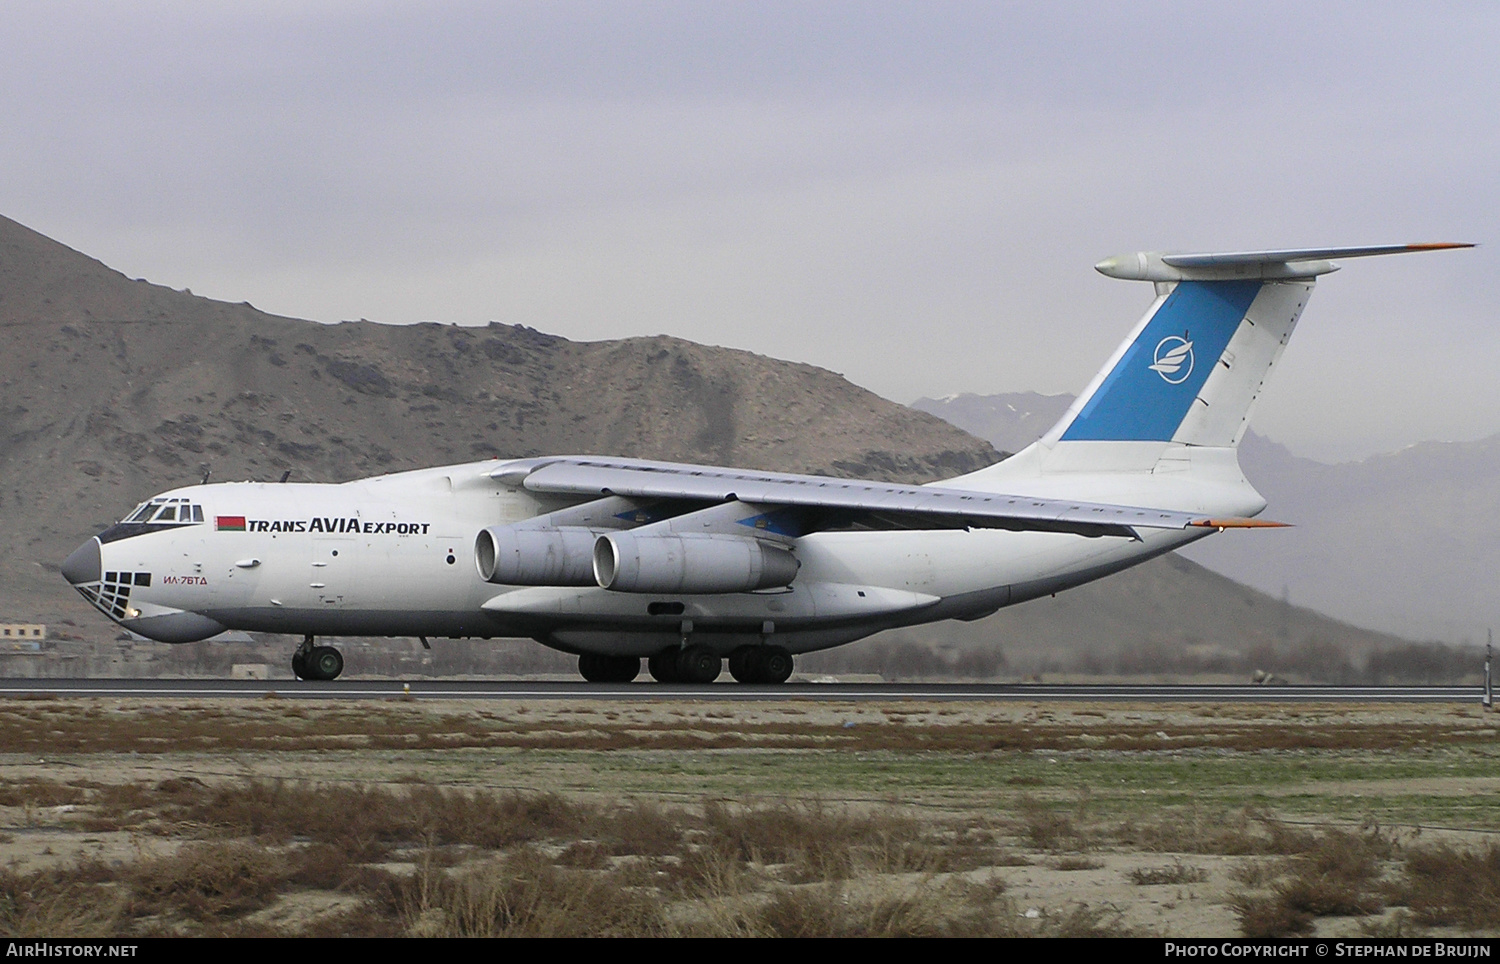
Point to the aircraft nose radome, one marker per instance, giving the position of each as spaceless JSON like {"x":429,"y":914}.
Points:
{"x":83,"y":564}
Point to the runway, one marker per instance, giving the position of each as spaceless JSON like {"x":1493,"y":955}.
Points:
{"x":425,"y":689}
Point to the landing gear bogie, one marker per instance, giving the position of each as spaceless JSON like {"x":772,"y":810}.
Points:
{"x":770,"y":665}
{"x":761,"y":664}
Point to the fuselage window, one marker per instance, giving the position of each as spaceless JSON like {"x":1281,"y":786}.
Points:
{"x":169,"y":514}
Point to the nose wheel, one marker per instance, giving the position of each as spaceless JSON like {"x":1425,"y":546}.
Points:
{"x":321,"y":663}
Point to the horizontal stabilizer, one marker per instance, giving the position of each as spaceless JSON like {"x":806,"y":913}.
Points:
{"x":1245,"y":265}
{"x":1301,"y":254}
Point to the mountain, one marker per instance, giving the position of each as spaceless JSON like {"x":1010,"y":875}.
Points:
{"x":1406,"y":543}
{"x":1009,"y":422}
{"x":112,"y":390}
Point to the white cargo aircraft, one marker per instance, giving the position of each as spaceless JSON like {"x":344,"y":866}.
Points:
{"x":617,"y":559}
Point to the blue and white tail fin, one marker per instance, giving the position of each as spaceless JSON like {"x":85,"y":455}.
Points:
{"x":1177,"y":395}
{"x":1193,"y":367}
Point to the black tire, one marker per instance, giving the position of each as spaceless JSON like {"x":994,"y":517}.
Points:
{"x":699,"y":664}
{"x":663,"y":667}
{"x":592,"y":667}
{"x":325,"y":663}
{"x":742,"y":665}
{"x":775,"y":665}
{"x":623,"y":669}
{"x":299,"y":665}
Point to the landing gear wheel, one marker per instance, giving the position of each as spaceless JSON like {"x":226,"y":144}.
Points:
{"x":699,"y":664}
{"x":663,"y":666}
{"x":742,"y":663}
{"x":590,"y":667}
{"x":624,"y":669}
{"x":761,"y":664}
{"x":775,"y":665}
{"x":598,"y":668}
{"x":325,"y":663}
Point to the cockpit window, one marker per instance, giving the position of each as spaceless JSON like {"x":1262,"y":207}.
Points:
{"x":144,"y":511}
{"x":165,"y":510}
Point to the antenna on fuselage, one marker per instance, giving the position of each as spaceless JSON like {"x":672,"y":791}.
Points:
{"x":203,"y":467}
{"x":286,"y":475}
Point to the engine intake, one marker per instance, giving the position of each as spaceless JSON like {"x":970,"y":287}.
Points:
{"x":513,"y":556}
{"x":697,"y":563}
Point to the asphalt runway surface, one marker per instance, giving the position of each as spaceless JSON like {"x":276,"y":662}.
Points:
{"x":359,"y":689}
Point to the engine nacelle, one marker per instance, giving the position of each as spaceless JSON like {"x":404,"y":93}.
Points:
{"x":697,"y":563}
{"x":514,"y":556}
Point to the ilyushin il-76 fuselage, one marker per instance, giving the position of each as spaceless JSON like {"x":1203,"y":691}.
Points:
{"x":618,"y":559}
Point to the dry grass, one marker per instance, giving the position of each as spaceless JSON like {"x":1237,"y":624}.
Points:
{"x":67,"y":726}
{"x":1075,"y":863}
{"x":1444,"y":885}
{"x":1262,"y":916}
{"x":623,"y":850}
{"x":818,"y":843}
{"x":1176,"y":873}
{"x":61,"y":902}
{"x":929,"y":910}
{"x":493,"y":864}
{"x":521,"y":895}
{"x":207,"y":881}
{"x":1333,"y":873}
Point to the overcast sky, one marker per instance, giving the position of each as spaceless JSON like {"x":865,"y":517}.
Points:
{"x":910,"y":194}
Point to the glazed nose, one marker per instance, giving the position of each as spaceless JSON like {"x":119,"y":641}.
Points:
{"x":83,"y":565}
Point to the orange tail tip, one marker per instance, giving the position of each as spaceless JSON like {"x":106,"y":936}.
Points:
{"x":1236,"y":523}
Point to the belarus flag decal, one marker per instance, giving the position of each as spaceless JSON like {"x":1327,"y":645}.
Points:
{"x":229,"y":523}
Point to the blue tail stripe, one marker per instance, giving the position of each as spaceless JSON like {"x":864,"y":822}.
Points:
{"x":1148,"y":393}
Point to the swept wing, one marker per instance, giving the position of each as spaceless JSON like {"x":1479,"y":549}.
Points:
{"x":910,"y":506}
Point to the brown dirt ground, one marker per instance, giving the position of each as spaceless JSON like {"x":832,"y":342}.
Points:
{"x":681,"y":754}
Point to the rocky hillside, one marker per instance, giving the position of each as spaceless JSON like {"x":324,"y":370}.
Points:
{"x":113,"y":389}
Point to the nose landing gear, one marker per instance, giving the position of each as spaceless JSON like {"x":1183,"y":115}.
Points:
{"x":321,"y":663}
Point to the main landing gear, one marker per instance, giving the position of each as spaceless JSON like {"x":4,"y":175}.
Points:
{"x":316,"y":662}
{"x":761,"y":664}
{"x":699,"y":664}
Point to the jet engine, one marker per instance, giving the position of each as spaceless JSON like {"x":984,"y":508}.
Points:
{"x":512,"y":556}
{"x":692,"y":563}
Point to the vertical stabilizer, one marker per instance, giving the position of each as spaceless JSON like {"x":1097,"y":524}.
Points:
{"x":1193,"y":367}
{"x":1177,"y":395}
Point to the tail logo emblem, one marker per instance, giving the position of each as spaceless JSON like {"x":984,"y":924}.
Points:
{"x":1174,"y":359}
